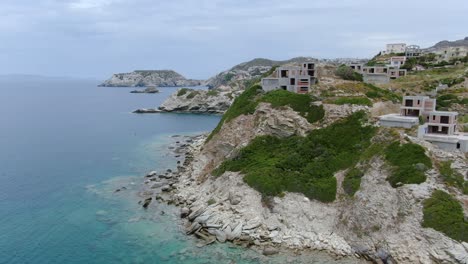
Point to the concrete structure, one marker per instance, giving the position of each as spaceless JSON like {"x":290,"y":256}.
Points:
{"x":356,"y":67}
{"x":397,"y":61}
{"x":395,"y":48}
{"x":413,"y":51}
{"x":396,"y":120}
{"x":381,"y":74}
{"x":417,"y":106}
{"x":440,"y":127}
{"x":446,"y":54}
{"x":291,"y":78}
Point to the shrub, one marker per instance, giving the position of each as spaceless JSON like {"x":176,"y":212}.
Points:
{"x":244,"y":104}
{"x":353,"y":100}
{"x":228,"y":77}
{"x":212,"y":93}
{"x":445,"y":101}
{"x":211,"y":201}
{"x":444,"y":213}
{"x":302,"y":164}
{"x":182,"y":91}
{"x":352,"y":181}
{"x":453,"y":178}
{"x":301,"y":103}
{"x":347,"y":73}
{"x":192,"y":94}
{"x":409,"y":162}
{"x":376,"y":92}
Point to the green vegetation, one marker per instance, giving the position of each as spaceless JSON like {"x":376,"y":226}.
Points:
{"x":228,"y":77}
{"x":253,"y":81}
{"x":409,"y":162}
{"x":192,"y":94}
{"x":211,"y":201}
{"x":453,"y":178}
{"x":444,"y":213}
{"x":301,"y":103}
{"x":246,"y":103}
{"x":352,"y":181}
{"x":376,"y":92}
{"x":302,"y":164}
{"x":352,"y":100}
{"x":182,"y":91}
{"x":347,"y":73}
{"x":444,"y":102}
{"x":212,"y":93}
{"x":242,"y":105}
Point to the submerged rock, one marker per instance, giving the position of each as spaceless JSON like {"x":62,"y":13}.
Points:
{"x":147,"y":202}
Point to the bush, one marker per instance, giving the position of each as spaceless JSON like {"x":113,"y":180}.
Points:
{"x":409,"y":161}
{"x":301,"y":103}
{"x":182,"y":91}
{"x":212,"y":93}
{"x":444,"y":213}
{"x":305,"y":165}
{"x":353,"y":100}
{"x":376,"y":92}
{"x":453,"y":178}
{"x":445,"y":101}
{"x":352,"y":181}
{"x":244,"y":104}
{"x":192,"y":94}
{"x":347,"y":73}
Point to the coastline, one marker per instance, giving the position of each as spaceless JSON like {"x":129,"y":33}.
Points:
{"x":200,"y":221}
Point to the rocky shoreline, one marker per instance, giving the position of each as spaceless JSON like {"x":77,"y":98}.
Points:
{"x":203,"y":222}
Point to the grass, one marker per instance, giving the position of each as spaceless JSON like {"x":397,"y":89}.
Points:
{"x":444,"y":102}
{"x":379,"y":93}
{"x":247,"y":102}
{"x":305,"y":165}
{"x":444,"y":213}
{"x":212,"y":93}
{"x":352,"y":181}
{"x":409,"y":163}
{"x":192,"y":94}
{"x":356,"y":100}
{"x":453,"y":178}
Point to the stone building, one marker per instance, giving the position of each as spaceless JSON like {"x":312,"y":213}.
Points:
{"x":296,"y":79}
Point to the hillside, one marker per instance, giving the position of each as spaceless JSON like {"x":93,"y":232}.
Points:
{"x":446,"y":44}
{"x":237,"y":76}
{"x":142,"y":78}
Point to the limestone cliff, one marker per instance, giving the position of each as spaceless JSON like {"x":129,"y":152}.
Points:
{"x":198,"y":101}
{"x":380,"y":222}
{"x":161,"y":78}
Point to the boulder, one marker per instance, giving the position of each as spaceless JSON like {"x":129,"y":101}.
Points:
{"x":196,"y":212}
{"x":184,"y":212}
{"x":147,"y":202}
{"x":194,"y":227}
{"x":268,"y":251}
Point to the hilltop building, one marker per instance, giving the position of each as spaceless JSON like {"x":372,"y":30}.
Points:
{"x":413,"y":51}
{"x":439,"y":128}
{"x":379,"y":74}
{"x":395,"y":48}
{"x":448,"y":53}
{"x":296,"y":79}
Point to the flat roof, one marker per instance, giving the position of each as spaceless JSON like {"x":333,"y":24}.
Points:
{"x":416,"y":96}
{"x":443,"y":113}
{"x":399,"y":118}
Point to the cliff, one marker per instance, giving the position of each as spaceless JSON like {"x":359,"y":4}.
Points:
{"x":198,"y":101}
{"x":236,"y":188}
{"x":161,"y":78}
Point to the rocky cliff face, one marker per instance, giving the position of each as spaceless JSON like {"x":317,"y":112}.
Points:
{"x":198,"y":101}
{"x":380,"y":222}
{"x":162,"y":78}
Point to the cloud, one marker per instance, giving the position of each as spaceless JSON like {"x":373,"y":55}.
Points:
{"x":90,"y":4}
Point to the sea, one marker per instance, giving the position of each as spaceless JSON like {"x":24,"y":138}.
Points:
{"x":66,"y":145}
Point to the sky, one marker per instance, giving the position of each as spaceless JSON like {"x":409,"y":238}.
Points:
{"x":200,"y":38}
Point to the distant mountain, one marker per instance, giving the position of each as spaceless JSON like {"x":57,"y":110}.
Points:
{"x":249,"y":70}
{"x":447,"y":44}
{"x":142,"y":78}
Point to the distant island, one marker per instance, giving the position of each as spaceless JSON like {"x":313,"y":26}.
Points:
{"x":144,"y":78}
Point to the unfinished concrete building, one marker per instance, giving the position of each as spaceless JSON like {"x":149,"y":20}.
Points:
{"x":439,"y":128}
{"x":381,"y":74}
{"x":397,"y":61}
{"x":395,"y":48}
{"x":296,"y":79}
{"x":413,"y":51}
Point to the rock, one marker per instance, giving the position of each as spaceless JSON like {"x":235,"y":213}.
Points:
{"x":197,"y":101}
{"x":157,"y":185}
{"x":150,"y":89}
{"x":147,"y":202}
{"x":420,"y":167}
{"x":196,"y":212}
{"x":161,"y":78}
{"x":151,"y":174}
{"x":184,"y":212}
{"x":146,"y":111}
{"x":234,"y":199}
{"x":166,"y":188}
{"x":252,"y":224}
{"x":194,"y":227}
{"x":268,"y":251}
{"x":220,"y":236}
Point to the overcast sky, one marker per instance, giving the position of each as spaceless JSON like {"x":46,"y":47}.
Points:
{"x":199,"y":38}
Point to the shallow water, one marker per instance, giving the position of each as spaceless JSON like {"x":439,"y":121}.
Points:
{"x":65,"y":146}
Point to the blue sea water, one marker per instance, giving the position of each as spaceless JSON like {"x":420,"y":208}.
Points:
{"x":65,"y":146}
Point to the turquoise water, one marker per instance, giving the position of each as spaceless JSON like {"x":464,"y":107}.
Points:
{"x":65,"y":146}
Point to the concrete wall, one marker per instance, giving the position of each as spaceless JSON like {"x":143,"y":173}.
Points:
{"x":376,"y":78}
{"x":392,"y":123}
{"x":270,"y":84}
